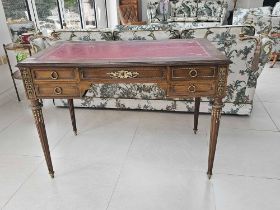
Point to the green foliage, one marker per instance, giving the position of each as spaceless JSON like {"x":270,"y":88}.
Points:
{"x":70,"y":3}
{"x":21,"y":56}
{"x":14,"y":9}
{"x":44,"y":8}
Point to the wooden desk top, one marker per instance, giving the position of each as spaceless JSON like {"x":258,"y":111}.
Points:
{"x":130,"y":53}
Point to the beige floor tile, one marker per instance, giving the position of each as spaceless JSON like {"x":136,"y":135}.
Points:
{"x":77,"y":185}
{"x":167,"y":140}
{"x":248,"y":152}
{"x":245,"y":193}
{"x":268,"y":85}
{"x":273,"y":110}
{"x":14,"y":170}
{"x":103,"y":136}
{"x":142,"y":186}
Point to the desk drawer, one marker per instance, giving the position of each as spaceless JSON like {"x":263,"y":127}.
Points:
{"x":199,"y":88}
{"x":57,"y":90}
{"x":54,"y":74}
{"x":134,"y":73}
{"x":200,"y":72}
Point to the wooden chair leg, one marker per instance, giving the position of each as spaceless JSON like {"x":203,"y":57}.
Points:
{"x":196,"y":113}
{"x":72,"y":114}
{"x":275,"y":58}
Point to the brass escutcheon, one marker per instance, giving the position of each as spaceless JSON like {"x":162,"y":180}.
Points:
{"x":54,"y":75}
{"x":193,"y":73}
{"x":192,"y":88}
{"x":57,"y":90}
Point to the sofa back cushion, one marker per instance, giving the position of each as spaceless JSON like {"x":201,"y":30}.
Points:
{"x":240,"y":15}
{"x":83,"y":35}
{"x":276,"y":9}
{"x":210,"y":10}
{"x":146,"y":35}
{"x":153,"y":11}
{"x":183,"y":10}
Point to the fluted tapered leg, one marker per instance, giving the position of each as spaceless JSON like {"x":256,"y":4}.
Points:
{"x":39,"y":121}
{"x":196,"y":114}
{"x":215,"y":123}
{"x":72,"y":114}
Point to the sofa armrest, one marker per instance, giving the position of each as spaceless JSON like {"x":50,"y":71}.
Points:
{"x":265,"y":50}
{"x":262,"y":52}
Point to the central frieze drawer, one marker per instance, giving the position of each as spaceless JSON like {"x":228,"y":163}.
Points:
{"x":144,"y":73}
{"x":54,"y":74}
{"x":187,"y":73}
{"x":199,"y":88}
{"x":57,"y":90}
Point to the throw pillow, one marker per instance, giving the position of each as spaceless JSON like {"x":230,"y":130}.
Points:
{"x":276,"y":10}
{"x":210,"y":10}
{"x":183,"y":8}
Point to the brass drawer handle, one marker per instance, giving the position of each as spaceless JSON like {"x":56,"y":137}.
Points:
{"x":57,"y":90}
{"x":193,"y":73}
{"x":192,"y":88}
{"x":122,"y":74}
{"x":54,"y":75}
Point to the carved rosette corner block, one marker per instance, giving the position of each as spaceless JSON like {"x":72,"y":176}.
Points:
{"x":222,"y":81}
{"x":122,"y":74}
{"x":28,"y":84}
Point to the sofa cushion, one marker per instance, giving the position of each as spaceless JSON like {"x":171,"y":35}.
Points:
{"x":182,"y":19}
{"x":209,"y":10}
{"x":153,"y":12}
{"x":266,"y":11}
{"x":83,"y":35}
{"x":188,"y":25}
{"x":146,"y":35}
{"x":276,"y":9}
{"x":184,"y":9}
{"x":240,"y":15}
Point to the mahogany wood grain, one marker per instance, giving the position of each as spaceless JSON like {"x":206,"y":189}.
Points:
{"x":40,"y":124}
{"x":181,"y":68}
{"x":196,"y":113}
{"x":72,"y":115}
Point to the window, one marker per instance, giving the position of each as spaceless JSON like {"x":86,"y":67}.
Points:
{"x":71,"y":13}
{"x":15,"y":11}
{"x":48,"y":14}
{"x":89,"y":14}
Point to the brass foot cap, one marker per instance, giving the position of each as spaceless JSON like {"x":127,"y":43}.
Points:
{"x":52,"y":175}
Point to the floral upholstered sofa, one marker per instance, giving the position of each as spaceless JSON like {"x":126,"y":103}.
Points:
{"x":265,"y":20}
{"x":247,"y":53}
{"x":188,"y":13}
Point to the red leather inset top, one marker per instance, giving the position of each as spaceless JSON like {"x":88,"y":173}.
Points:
{"x":130,"y":50}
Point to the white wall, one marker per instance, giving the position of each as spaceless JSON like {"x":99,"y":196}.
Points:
{"x":240,"y":4}
{"x":4,"y":31}
{"x":112,"y":6}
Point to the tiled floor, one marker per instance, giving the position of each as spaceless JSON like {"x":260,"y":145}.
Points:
{"x":140,"y":160}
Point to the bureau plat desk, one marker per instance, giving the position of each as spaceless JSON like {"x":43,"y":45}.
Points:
{"x":182,"y":68}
